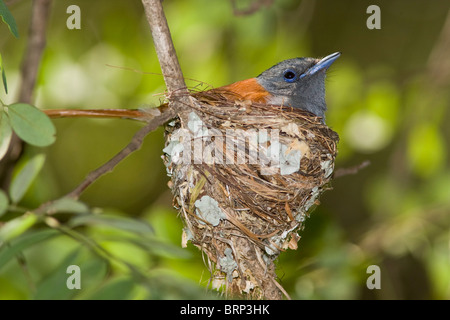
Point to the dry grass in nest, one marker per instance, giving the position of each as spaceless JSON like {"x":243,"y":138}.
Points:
{"x":236,"y":204}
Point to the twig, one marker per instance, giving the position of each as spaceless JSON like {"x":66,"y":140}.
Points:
{"x":439,"y":62}
{"x":280,"y":287}
{"x":22,"y":261}
{"x":352,"y":170}
{"x":170,"y":67}
{"x":255,"y":6}
{"x":36,"y":45}
{"x":199,"y":83}
{"x":133,"y":114}
{"x":11,"y":2}
{"x":134,"y":145}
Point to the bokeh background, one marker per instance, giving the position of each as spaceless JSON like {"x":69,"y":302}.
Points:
{"x":388,"y":98}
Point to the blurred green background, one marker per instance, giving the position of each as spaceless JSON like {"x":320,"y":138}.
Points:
{"x":388,"y":98}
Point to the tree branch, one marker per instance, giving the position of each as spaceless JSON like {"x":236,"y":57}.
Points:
{"x":36,"y":45}
{"x":135,"y":144}
{"x":170,"y":67}
{"x":255,"y":6}
{"x":341,"y":172}
{"x":439,"y":62}
{"x":133,"y":114}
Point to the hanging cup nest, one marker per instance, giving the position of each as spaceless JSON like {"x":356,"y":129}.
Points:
{"x":244,"y":177}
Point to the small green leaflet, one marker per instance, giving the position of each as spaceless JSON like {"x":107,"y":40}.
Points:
{"x":8,"y":18}
{"x":67,"y":204}
{"x":5,"y":134}
{"x":4,"y":202}
{"x":5,"y":84}
{"x":22,"y":242}
{"x":31,"y":124}
{"x":15,"y":227}
{"x":25,"y":176}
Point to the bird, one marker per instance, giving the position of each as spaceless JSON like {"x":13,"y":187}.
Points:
{"x":247,"y":164}
{"x":297,"y":83}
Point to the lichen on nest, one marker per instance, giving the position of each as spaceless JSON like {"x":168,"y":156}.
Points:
{"x":244,"y":177}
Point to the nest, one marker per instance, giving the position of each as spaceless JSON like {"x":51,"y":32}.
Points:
{"x":244,"y":177}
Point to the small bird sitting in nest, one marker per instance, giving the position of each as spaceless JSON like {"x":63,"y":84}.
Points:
{"x":297,"y":83}
{"x":247,"y":163}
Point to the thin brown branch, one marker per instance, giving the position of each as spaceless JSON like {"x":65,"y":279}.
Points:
{"x":255,"y":6}
{"x":11,"y":2}
{"x":35,"y":48}
{"x":133,"y":114}
{"x":135,"y":144}
{"x":439,"y":60}
{"x":170,"y":67}
{"x":199,"y":82}
{"x":22,"y":261}
{"x":280,"y":287}
{"x":352,"y":170}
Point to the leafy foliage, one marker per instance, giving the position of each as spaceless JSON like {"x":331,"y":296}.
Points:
{"x":8,"y":18}
{"x":24,"y":176}
{"x":384,"y":101}
{"x":31,"y":124}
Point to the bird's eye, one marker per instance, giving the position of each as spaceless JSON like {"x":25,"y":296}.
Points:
{"x":290,"y":75}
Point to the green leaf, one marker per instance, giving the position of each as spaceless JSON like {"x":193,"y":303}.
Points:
{"x":5,"y":134}
{"x":127,"y":224}
{"x":8,"y":19}
{"x":54,"y":287}
{"x":17,"y":226}
{"x":159,"y":248}
{"x":67,"y":205}
{"x":25,"y":177}
{"x":2,"y":69}
{"x":94,"y":272}
{"x":31,"y":124}
{"x":4,"y":202}
{"x":92,"y":275}
{"x":116,"y":289}
{"x":8,"y":252}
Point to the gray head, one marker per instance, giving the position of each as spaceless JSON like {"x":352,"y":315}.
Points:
{"x":299,"y":83}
